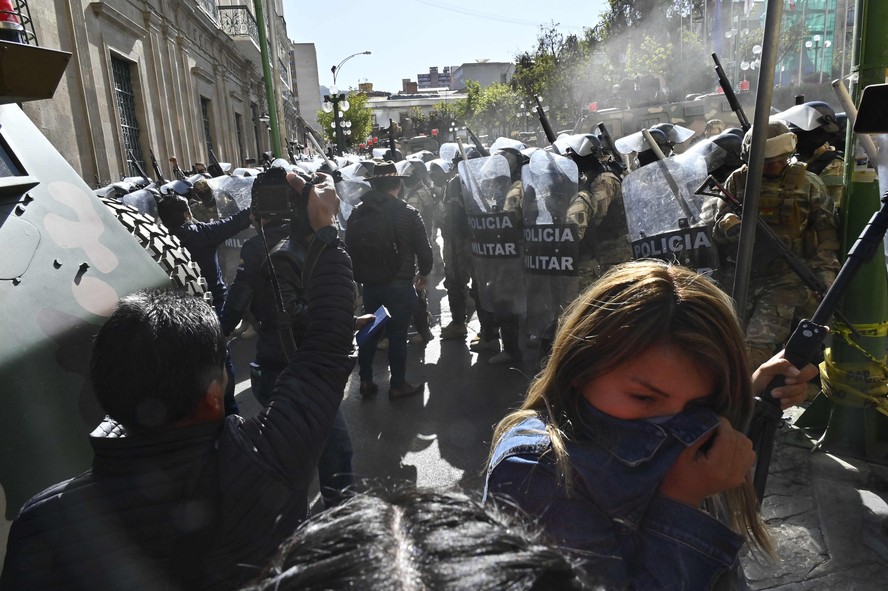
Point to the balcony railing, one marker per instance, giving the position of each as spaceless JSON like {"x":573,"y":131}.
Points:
{"x":238,"y":21}
{"x":209,"y":6}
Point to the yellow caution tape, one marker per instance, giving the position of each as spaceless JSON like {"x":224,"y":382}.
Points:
{"x":860,"y":384}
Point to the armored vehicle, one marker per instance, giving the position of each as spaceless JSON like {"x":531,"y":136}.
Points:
{"x":65,"y":259}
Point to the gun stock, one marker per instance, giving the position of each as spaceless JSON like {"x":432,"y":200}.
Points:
{"x":159,"y":174}
{"x":609,"y":144}
{"x":544,"y":121}
{"x":481,"y":149}
{"x":729,"y":94}
{"x":137,"y":166}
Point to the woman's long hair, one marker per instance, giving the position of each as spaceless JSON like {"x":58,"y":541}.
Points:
{"x":634,"y":306}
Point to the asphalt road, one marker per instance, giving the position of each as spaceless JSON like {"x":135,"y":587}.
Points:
{"x":437,"y":439}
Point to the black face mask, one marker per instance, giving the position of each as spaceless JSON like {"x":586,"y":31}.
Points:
{"x":810,"y":141}
{"x":646,"y":157}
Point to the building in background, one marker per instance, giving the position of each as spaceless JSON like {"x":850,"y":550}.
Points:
{"x":434,"y":79}
{"x":483,"y":72}
{"x":179,"y":77}
{"x":305,"y":85}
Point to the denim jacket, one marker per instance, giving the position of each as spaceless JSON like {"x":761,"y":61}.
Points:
{"x":629,"y":535}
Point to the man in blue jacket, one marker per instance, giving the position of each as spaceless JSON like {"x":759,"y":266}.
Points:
{"x":180,"y":496}
{"x":202,"y":240}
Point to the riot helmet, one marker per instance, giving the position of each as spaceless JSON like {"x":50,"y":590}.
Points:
{"x":646,"y":154}
{"x":780,"y":145}
{"x":395,"y":156}
{"x":505,"y":142}
{"x":584,"y":149}
{"x":280,"y":163}
{"x":813,"y":122}
{"x":675,"y":134}
{"x":515,"y":159}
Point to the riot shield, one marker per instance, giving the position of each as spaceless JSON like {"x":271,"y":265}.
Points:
{"x":551,"y":245}
{"x":665,"y":216}
{"x":350,"y":191}
{"x":414,"y":168}
{"x":143,"y":200}
{"x":231,"y":193}
{"x":361,"y":169}
{"x":448,"y":151}
{"x":495,"y":234}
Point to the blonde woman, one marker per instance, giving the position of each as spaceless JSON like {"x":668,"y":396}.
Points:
{"x":630,"y":445}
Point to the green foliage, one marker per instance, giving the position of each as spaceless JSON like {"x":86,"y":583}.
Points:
{"x":496,"y":111}
{"x":359,"y":115}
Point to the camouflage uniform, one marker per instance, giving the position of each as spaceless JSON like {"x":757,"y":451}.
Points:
{"x":420,"y":197}
{"x":457,"y":251}
{"x":800,"y":210}
{"x":599,"y":206}
{"x":507,"y":325}
{"x":833,"y":174}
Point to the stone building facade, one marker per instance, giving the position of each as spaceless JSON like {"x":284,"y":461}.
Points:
{"x":176,"y":77}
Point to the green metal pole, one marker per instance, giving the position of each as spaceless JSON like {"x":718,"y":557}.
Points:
{"x":849,"y":423}
{"x":269,"y":81}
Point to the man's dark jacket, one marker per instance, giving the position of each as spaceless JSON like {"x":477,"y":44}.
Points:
{"x":202,"y":239}
{"x":414,"y":249}
{"x":136,"y":516}
{"x":252,"y":288}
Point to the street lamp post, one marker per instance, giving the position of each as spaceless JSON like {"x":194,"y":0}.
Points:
{"x":817,"y":53}
{"x":337,"y":102}
{"x":525,"y":112}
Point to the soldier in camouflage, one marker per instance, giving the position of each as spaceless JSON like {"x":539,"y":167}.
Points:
{"x":457,"y":254}
{"x":797,"y":206}
{"x":507,"y":326}
{"x":419,"y":196}
{"x":599,"y":215}
{"x":814,"y":123}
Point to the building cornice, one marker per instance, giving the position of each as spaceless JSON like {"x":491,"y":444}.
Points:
{"x":103,"y":10}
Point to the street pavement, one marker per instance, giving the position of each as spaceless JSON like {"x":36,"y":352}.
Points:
{"x":827,"y":513}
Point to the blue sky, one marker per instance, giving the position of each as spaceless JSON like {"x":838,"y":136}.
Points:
{"x":406,"y":37}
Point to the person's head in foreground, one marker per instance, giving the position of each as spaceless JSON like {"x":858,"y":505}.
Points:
{"x":418,"y":540}
{"x":158,"y":362}
{"x":647,"y":341}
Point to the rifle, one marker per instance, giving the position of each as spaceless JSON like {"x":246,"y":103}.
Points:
{"x":215,"y":168}
{"x":609,"y":144}
{"x":159,"y":174}
{"x":544,"y":121}
{"x":177,"y":172}
{"x":729,"y":94}
{"x":481,"y":149}
{"x":808,"y":277}
{"x":806,"y":340}
{"x":138,"y":167}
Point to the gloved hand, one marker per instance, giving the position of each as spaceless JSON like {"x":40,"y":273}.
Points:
{"x":730,"y":227}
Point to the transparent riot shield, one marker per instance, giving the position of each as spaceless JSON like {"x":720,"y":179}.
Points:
{"x":231,"y":193}
{"x":143,"y":200}
{"x":666,"y":218}
{"x":448,"y":151}
{"x":495,"y":234}
{"x":350,"y":191}
{"x":551,"y":245}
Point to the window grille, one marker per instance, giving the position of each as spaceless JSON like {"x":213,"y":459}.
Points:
{"x":126,"y":108}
